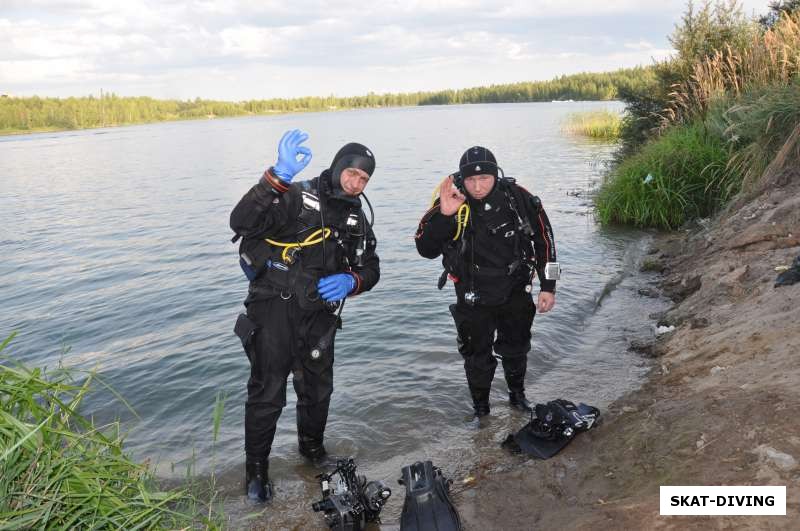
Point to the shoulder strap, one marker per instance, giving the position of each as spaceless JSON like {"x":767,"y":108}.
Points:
{"x":518,"y":205}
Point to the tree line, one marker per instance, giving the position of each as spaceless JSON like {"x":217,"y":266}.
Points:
{"x":35,"y":113}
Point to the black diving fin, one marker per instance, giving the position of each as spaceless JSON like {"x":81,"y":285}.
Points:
{"x":427,"y":505}
{"x":552,"y":427}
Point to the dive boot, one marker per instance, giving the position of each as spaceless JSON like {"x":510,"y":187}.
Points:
{"x":310,"y":448}
{"x":259,"y":489}
{"x":480,"y":401}
{"x":518,"y":401}
{"x":515,"y":369}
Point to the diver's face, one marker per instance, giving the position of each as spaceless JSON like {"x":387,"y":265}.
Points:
{"x":479,"y":186}
{"x":353,"y":181}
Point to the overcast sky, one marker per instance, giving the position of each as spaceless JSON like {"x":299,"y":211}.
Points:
{"x":243,"y":49}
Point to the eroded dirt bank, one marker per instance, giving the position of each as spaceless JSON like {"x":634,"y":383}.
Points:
{"x":721,"y":406}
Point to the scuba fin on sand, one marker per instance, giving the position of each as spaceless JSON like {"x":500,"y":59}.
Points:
{"x":427,"y":505}
{"x":552,"y":428}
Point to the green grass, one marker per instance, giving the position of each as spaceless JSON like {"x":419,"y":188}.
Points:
{"x":689,"y":179}
{"x":58,"y":470}
{"x":602,"y":125}
{"x":762,"y":127}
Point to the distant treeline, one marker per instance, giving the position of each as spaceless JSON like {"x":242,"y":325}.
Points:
{"x":25,"y":114}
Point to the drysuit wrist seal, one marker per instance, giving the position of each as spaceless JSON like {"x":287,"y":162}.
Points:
{"x":277,"y":186}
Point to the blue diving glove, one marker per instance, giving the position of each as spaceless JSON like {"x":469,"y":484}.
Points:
{"x":289,"y":149}
{"x":336,"y":287}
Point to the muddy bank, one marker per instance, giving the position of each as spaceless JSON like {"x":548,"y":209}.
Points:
{"x":719,"y":407}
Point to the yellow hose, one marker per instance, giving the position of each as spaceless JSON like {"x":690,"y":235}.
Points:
{"x":319,"y":234}
{"x":461,"y":224}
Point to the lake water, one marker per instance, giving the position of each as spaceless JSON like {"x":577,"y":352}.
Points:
{"x":116,"y":256}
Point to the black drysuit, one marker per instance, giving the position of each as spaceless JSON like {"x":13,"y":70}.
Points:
{"x":492,"y":258}
{"x":285,"y":316}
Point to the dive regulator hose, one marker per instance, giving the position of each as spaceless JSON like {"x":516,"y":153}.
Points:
{"x":327,"y":338}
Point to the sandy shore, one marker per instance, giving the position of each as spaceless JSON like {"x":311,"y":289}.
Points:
{"x":720,"y":405}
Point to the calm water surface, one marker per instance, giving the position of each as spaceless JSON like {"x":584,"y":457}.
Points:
{"x":116,"y":256}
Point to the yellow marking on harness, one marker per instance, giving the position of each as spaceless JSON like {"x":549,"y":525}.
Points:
{"x":461,"y":224}
{"x":318,"y":236}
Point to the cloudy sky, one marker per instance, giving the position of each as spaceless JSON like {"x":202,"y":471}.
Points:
{"x":242,"y":49}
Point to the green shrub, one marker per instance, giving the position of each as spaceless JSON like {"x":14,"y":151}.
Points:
{"x":60,"y":471}
{"x":705,"y":29}
{"x":674,"y":178}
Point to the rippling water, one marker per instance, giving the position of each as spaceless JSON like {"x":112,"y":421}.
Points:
{"x":116,"y":256}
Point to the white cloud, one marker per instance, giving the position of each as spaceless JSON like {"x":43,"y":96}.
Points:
{"x":234,"y":49}
{"x":249,"y":41}
{"x":640,"y":45}
{"x":43,"y":71}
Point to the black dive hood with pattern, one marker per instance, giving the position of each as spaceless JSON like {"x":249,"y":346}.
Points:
{"x":352,"y":155}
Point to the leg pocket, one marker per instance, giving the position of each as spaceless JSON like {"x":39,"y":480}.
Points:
{"x":317,"y":354}
{"x":463,"y":338}
{"x":475,"y":330}
{"x":514,"y":323}
{"x":245,"y":329}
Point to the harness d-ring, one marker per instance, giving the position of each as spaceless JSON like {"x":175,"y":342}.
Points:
{"x":286,"y":296}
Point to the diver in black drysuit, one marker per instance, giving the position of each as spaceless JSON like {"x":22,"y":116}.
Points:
{"x":287,"y":313}
{"x":491,"y":264}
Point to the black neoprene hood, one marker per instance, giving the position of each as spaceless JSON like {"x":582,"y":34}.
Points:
{"x":352,"y":155}
{"x":477,"y":160}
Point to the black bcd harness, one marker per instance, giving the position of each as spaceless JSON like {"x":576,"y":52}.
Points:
{"x":278,"y":264}
{"x":455,"y":251}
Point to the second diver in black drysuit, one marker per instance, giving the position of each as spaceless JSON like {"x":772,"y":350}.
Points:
{"x":494,"y":238}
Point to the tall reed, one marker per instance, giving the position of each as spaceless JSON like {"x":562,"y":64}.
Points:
{"x":772,"y":60}
{"x":763,"y":130}
{"x":58,"y":470}
{"x":602,"y":125}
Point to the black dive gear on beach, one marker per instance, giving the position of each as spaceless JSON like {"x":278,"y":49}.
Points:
{"x":552,"y":427}
{"x":349,"y":501}
{"x":427,"y":505}
{"x":492,"y":259}
{"x":288,"y":328}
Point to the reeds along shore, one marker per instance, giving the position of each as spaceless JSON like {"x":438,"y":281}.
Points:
{"x":58,"y":470}
{"x":602,"y":125}
{"x":732,"y":124}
